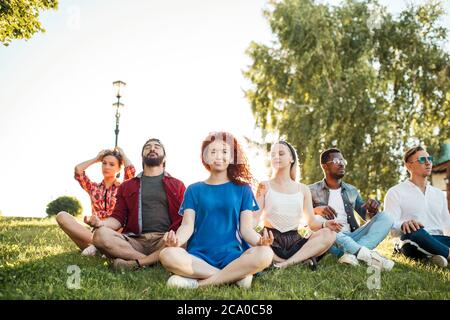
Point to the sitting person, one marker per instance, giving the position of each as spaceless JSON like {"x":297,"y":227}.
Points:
{"x":218,"y":224}
{"x":285,"y":205}
{"x":147,"y":207}
{"x":420,"y":211}
{"x":335,"y":199}
{"x":103,"y":195}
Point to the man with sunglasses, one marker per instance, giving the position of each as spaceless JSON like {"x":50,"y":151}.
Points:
{"x":335,"y":199}
{"x":420,"y":212}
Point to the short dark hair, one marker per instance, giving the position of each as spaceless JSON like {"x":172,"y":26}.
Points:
{"x":410,"y":152}
{"x":325,"y":155}
{"x":155,"y":140}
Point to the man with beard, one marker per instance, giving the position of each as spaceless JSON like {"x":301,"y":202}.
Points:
{"x":147,"y":207}
{"x":334,"y":199}
{"x":420,"y":212}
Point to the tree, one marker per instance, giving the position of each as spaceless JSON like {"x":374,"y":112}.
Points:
{"x":354,"y":77}
{"x":68,"y":204}
{"x":20,"y":19}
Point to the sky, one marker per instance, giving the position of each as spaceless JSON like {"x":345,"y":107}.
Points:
{"x":182,"y":62}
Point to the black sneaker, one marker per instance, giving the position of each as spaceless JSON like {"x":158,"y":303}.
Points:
{"x":412,"y":250}
{"x":311,"y":263}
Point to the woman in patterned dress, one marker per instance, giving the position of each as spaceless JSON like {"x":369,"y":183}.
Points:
{"x":103,"y":195}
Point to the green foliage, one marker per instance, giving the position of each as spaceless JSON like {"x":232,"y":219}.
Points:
{"x":65,"y":203}
{"x":20,"y":19}
{"x":353,"y":77}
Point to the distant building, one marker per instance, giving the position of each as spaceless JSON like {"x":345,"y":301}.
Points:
{"x":441,"y":171}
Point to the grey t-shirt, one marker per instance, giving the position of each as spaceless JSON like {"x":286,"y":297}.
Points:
{"x":155,"y":208}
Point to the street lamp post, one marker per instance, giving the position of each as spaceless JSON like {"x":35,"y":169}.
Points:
{"x":118,"y":85}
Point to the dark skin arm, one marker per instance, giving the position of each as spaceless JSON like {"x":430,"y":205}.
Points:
{"x":325,"y":211}
{"x":372,"y":206}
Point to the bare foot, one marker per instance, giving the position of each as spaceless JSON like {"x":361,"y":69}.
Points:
{"x":121,"y":264}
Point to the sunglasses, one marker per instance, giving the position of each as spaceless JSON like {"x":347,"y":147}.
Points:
{"x":423,"y":159}
{"x":338,"y":161}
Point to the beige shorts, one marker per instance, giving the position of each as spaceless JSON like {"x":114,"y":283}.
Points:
{"x":146,"y":243}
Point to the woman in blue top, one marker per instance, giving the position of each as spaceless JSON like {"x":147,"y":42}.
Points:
{"x":218,"y":223}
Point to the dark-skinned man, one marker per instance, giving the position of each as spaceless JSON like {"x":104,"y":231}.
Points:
{"x":335,"y":199}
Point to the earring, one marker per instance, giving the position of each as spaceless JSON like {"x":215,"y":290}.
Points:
{"x":118,"y":175}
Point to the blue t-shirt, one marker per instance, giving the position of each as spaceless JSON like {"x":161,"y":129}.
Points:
{"x":216,"y":238}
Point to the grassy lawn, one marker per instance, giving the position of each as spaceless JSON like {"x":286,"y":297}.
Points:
{"x":35,"y":255}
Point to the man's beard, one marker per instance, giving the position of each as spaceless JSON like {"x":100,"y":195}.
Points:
{"x":338,"y":176}
{"x":152,"y":161}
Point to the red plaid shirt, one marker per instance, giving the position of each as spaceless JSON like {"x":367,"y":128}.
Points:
{"x":103,"y":199}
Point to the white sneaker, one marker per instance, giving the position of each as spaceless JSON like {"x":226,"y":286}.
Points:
{"x":246,"y":282}
{"x":439,"y":261}
{"x":177,"y":281}
{"x":89,"y":251}
{"x":349,"y":258}
{"x":374,"y":259}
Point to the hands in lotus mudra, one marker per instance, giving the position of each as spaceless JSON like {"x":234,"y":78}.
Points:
{"x":170,"y":239}
{"x":333,"y":225}
{"x":372,"y":206}
{"x":93,"y":221}
{"x":326,"y":211}
{"x":266,"y":238}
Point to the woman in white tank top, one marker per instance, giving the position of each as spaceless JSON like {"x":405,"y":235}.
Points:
{"x":286,"y":206}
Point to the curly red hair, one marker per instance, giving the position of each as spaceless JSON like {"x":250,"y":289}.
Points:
{"x":238,"y":170}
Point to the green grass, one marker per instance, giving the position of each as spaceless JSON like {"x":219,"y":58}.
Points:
{"x":35,"y":254}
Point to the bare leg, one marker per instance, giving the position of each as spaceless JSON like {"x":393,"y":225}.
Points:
{"x":319,"y":242}
{"x":150,"y":259}
{"x":122,"y":264}
{"x":78,"y":233}
{"x":179,"y":261}
{"x":277,"y":259}
{"x":250,"y":262}
{"x":113,"y":244}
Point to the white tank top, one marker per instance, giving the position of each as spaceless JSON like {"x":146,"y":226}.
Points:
{"x":283,"y":211}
